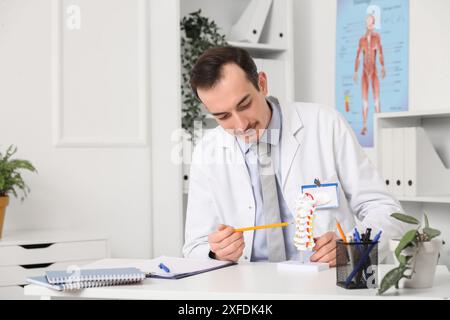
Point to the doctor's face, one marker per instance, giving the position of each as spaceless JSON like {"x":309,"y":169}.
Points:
{"x":237,"y":105}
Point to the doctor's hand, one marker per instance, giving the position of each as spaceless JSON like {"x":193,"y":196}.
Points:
{"x":226,"y":244}
{"x":325,"y":249}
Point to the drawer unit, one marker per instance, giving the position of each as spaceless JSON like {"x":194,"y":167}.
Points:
{"x":52,"y":252}
{"x":14,"y":293}
{"x":26,"y":254}
{"x":16,"y":275}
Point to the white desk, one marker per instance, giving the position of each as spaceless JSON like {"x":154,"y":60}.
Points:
{"x":257,"y":281}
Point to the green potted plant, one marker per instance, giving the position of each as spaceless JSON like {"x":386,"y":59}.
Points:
{"x":417,"y":253}
{"x":11,"y":180}
{"x":198,"y":34}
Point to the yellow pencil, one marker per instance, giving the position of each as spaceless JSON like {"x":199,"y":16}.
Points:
{"x":275,"y":225}
{"x":344,"y":238}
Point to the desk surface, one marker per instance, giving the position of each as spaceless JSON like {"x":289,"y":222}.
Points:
{"x":251,"y":281}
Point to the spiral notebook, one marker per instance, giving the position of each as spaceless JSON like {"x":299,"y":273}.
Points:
{"x":88,"y":278}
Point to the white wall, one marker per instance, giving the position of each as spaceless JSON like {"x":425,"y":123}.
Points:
{"x":107,"y":188}
{"x":165,"y":99}
{"x":429,"y":72}
{"x":314,"y":38}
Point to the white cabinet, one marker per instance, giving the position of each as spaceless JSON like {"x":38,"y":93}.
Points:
{"x":32,"y":252}
{"x":423,"y":171}
{"x":413,"y":154}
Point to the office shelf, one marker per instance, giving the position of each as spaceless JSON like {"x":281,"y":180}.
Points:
{"x":425,"y":199}
{"x":257,"y":47}
{"x":434,"y":113}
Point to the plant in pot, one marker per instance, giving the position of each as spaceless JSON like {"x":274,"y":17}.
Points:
{"x":198,"y":34}
{"x":417,"y":253}
{"x":11,"y":180}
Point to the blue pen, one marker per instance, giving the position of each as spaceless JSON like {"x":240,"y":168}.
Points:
{"x":363,"y":259}
{"x":358,"y":241}
{"x":164,"y":267}
{"x":357,"y":236}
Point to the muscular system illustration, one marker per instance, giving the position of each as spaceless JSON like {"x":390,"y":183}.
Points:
{"x":370,"y":46}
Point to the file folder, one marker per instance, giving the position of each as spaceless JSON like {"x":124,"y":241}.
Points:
{"x":398,"y":160}
{"x":425,"y":173}
{"x":387,"y":158}
{"x":250,"y":25}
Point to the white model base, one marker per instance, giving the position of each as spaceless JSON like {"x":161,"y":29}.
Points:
{"x":302,"y":267}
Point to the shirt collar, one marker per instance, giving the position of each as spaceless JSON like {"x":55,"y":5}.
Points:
{"x":273,"y":132}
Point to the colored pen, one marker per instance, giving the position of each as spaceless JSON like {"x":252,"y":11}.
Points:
{"x":275,"y":225}
{"x":363,"y":258}
{"x":164,"y":267}
{"x":357,"y":236}
{"x":344,"y":238}
{"x":358,"y":241}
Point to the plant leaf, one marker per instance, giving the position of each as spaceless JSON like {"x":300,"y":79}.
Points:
{"x":407,"y":240}
{"x":431,"y":233}
{"x":11,"y":180}
{"x":405,"y":218}
{"x":427,"y":223}
{"x":390,"y":280}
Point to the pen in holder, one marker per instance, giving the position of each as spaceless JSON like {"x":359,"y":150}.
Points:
{"x":357,"y":265}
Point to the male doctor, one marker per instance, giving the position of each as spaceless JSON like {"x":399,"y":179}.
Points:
{"x":249,"y":171}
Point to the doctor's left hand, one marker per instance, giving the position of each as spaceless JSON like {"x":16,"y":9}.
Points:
{"x":325,"y":249}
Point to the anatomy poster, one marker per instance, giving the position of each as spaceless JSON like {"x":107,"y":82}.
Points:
{"x":371,"y":61}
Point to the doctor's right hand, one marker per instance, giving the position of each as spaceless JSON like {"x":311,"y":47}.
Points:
{"x":226,"y":244}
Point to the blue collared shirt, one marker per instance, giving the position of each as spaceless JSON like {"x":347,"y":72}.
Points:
{"x":271,"y":135}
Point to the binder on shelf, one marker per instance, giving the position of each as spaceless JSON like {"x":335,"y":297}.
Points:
{"x":425,"y":173}
{"x":275,"y":30}
{"x":387,"y":158}
{"x":411,"y":163}
{"x":398,"y":160}
{"x":250,"y":25}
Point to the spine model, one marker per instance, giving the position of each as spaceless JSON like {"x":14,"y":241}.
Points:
{"x":305,"y":208}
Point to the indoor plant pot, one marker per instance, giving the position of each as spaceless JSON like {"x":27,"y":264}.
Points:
{"x":424,"y":263}
{"x":4,"y":201}
{"x":11,"y":180}
{"x":417,"y":253}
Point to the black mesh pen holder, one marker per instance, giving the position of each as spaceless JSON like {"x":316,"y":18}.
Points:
{"x":357,"y":265}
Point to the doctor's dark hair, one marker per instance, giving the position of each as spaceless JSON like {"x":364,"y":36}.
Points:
{"x":207,"y":71}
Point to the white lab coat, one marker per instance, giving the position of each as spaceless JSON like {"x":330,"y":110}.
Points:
{"x":316,"y":142}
